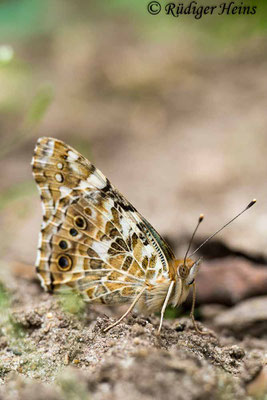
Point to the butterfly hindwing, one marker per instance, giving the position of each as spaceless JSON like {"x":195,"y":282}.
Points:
{"x":92,"y":239}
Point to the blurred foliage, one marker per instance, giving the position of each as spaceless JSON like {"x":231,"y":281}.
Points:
{"x":217,"y":33}
{"x":183,"y":310}
{"x":172,"y":313}
{"x":11,"y":328}
{"x":20,"y":18}
{"x":26,"y":21}
{"x":33,"y":117}
{"x":39,"y":106}
{"x":23,"y":22}
{"x":6,"y":55}
{"x":16,"y":331}
{"x":71,"y":388}
{"x":4,"y":300}
{"x":72,"y":303}
{"x":16,"y":193}
{"x":24,"y":18}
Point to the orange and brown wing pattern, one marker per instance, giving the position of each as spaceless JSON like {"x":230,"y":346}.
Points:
{"x":92,"y":239}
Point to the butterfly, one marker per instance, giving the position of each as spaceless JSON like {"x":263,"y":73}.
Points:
{"x":95,"y":243}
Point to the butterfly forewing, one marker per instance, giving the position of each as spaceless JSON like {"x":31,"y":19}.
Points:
{"x":92,"y":239}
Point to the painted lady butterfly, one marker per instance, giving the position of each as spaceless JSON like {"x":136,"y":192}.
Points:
{"x":93,"y":241}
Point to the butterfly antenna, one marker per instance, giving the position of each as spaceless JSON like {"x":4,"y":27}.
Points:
{"x":224,"y":226}
{"x":200,"y":219}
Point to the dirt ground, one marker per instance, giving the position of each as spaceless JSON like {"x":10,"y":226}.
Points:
{"x":54,"y":348}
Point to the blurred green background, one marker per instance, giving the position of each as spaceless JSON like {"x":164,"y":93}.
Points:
{"x":172,"y":110}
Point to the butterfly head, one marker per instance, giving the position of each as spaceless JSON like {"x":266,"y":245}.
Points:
{"x":185,"y":274}
{"x":187,"y":270}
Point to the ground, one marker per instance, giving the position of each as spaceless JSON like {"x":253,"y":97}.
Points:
{"x":54,"y":348}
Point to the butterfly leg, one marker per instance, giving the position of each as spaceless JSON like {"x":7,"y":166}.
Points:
{"x":127,"y":312}
{"x":193,"y":310}
{"x":167,"y":298}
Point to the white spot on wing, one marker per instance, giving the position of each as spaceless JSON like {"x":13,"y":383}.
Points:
{"x":72,"y":155}
{"x":84,"y":185}
{"x":50,"y":148}
{"x":96,"y":182}
{"x":65,"y":191}
{"x":59,"y":178}
{"x":40,"y":240}
{"x":37,"y":262}
{"x":101,"y":176}
{"x":75,"y":167}
{"x":125,"y":227}
{"x":99,"y":248}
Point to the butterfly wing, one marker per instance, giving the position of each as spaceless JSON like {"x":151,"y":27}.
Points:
{"x":92,"y":239}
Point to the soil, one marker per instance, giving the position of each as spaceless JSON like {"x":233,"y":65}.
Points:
{"x":54,"y":348}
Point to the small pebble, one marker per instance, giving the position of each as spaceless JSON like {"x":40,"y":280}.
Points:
{"x":14,"y":351}
{"x":138,"y":330}
{"x":180,"y":327}
{"x":66,"y":359}
{"x":237,"y":352}
{"x":17,"y":352}
{"x":47,"y":328}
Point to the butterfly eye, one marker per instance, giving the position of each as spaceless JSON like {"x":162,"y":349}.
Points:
{"x":64,"y":263}
{"x":183,"y":271}
{"x":80,"y":222}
